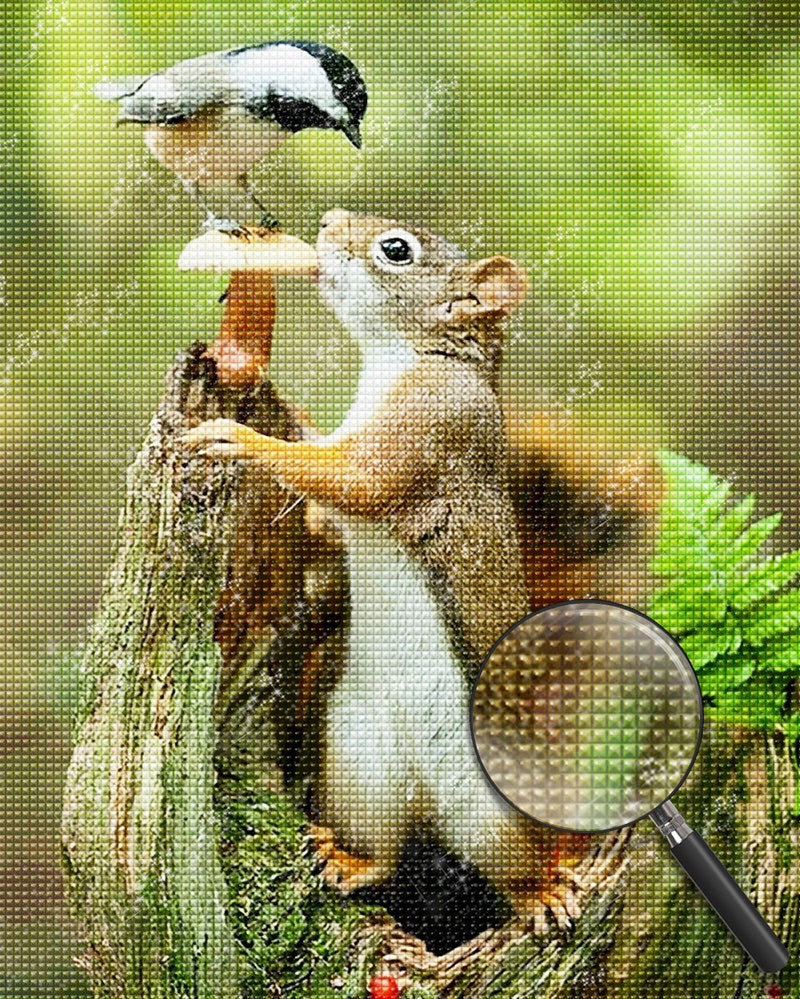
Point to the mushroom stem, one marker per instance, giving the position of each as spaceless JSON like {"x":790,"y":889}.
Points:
{"x":243,"y":347}
{"x":253,"y":257}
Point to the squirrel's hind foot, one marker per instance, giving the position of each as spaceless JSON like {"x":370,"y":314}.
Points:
{"x":549,"y":906}
{"x":341,"y":870}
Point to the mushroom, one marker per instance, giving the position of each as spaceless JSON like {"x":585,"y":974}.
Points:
{"x":253,"y":257}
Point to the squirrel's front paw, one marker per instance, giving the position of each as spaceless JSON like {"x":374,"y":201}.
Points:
{"x":219,"y":439}
{"x":344,"y":871}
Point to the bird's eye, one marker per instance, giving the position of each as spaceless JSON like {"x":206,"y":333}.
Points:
{"x":396,"y":248}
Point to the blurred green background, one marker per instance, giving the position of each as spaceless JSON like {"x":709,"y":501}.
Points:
{"x":641,"y":159}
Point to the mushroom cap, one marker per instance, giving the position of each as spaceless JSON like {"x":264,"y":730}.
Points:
{"x":253,"y":249}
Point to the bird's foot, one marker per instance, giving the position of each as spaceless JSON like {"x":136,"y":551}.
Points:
{"x":269,"y":222}
{"x":230,"y":227}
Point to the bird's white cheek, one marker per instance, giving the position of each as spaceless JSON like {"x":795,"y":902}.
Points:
{"x":285,"y":70}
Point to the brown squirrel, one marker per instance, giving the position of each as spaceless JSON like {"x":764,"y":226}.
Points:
{"x":416,"y":478}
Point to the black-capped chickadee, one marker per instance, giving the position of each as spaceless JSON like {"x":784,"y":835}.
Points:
{"x":209,"y":119}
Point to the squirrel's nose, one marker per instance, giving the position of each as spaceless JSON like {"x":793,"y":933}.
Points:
{"x":335,"y":217}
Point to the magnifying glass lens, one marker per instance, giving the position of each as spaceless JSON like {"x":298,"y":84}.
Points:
{"x":587,"y":716}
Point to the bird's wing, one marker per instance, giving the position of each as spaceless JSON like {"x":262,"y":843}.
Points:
{"x":119,"y":86}
{"x":156,"y":110}
{"x":177,"y":93}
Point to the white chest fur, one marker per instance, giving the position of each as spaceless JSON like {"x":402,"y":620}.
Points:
{"x":400,"y":687}
{"x":396,"y":629}
{"x":382,"y":366}
{"x":395,"y":625}
{"x":398,"y":754}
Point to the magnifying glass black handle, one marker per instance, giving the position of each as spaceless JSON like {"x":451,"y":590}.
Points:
{"x":724,"y":895}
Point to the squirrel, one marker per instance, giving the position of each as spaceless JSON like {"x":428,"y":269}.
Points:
{"x":416,"y":476}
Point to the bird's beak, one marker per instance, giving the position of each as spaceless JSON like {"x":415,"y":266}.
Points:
{"x":350,"y":129}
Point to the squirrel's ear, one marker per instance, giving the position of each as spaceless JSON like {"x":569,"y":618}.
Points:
{"x":492,"y":285}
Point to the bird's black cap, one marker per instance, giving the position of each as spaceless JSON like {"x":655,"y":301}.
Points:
{"x":348,"y":86}
{"x":295,"y":114}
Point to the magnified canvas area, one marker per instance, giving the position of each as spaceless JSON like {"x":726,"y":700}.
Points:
{"x":586,"y":716}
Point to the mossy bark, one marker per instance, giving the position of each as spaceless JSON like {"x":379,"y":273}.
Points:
{"x":139,"y":829}
{"x":741,"y":797}
{"x":140,"y":832}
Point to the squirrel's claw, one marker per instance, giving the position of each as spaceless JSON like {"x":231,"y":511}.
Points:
{"x":219,"y":439}
{"x":549,"y":907}
{"x":341,"y":870}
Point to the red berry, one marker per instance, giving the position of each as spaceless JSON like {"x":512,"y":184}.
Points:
{"x":383,"y":987}
{"x":774,"y":991}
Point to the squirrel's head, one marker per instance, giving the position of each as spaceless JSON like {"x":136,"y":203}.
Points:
{"x":381,"y":277}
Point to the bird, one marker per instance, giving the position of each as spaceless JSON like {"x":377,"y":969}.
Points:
{"x":211,"y":118}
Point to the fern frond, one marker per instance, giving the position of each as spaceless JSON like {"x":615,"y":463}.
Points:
{"x":762,"y":580}
{"x":734,"y":608}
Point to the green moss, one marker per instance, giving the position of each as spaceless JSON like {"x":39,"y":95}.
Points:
{"x":295,"y":932}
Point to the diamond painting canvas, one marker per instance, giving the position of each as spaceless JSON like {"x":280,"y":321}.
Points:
{"x":339,"y":338}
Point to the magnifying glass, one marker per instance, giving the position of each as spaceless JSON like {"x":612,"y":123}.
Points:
{"x":586,"y":717}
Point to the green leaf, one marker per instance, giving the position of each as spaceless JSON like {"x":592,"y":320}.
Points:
{"x":781,"y":655}
{"x":776,"y":617}
{"x":791,"y":726}
{"x":748,"y":544}
{"x":709,"y":643}
{"x":725,"y":533}
{"x":724,"y":677}
{"x":757,"y":704}
{"x":760,"y":581}
{"x":689,"y":513}
{"x":693,"y":486}
{"x":733,"y":609}
{"x":690,"y":602}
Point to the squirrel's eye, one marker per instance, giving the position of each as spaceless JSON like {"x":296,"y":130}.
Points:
{"x":397,"y":251}
{"x":396,"y":248}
